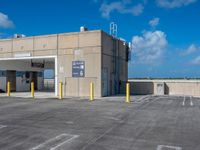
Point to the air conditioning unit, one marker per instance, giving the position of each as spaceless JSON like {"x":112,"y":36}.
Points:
{"x":19,"y":36}
{"x":83,"y":29}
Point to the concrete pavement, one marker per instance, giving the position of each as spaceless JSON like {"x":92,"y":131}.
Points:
{"x":148,"y":123}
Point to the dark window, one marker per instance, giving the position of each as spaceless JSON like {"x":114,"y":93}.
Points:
{"x":2,"y":73}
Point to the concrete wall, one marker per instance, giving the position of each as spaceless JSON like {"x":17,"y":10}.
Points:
{"x":142,"y":88}
{"x":85,"y":46}
{"x":183,"y":88}
{"x":114,"y":64}
{"x":172,"y":87}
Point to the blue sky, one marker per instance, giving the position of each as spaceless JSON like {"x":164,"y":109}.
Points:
{"x":165,"y":34}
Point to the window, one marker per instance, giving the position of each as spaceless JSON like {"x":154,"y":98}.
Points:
{"x":2,"y":73}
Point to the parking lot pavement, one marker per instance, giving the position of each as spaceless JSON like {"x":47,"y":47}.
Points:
{"x":37,"y":94}
{"x":147,"y":123}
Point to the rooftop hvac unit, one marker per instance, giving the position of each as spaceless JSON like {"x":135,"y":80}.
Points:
{"x":83,"y":29}
{"x":19,"y":35}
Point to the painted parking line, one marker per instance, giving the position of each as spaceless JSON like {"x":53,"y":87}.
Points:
{"x":191,"y":102}
{"x":2,"y":126}
{"x":184,"y":99}
{"x":142,"y":99}
{"x":163,"y":147}
{"x":112,"y":118}
{"x":55,"y":142}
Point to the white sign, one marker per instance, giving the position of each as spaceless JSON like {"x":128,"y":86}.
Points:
{"x":61,"y":69}
{"x":19,"y":55}
{"x":77,"y":52}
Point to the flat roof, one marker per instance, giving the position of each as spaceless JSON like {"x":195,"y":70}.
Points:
{"x":47,"y":35}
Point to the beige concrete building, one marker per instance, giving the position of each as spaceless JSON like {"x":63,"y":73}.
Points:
{"x":77,"y":59}
{"x":179,"y":87}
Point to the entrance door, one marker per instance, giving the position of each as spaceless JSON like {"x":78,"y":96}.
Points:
{"x":11,"y":77}
{"x":160,"y":89}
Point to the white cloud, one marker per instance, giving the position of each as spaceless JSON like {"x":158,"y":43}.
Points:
{"x":121,"y":7}
{"x":5,"y":22}
{"x":149,"y":48}
{"x":174,"y":3}
{"x":196,"y":61}
{"x":191,"y":49}
{"x":154,"y":22}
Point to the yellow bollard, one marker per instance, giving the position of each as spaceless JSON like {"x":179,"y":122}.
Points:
{"x":127,"y":92}
{"x":8,"y":89}
{"x":32,"y":90}
{"x":91,"y":91}
{"x":60,"y":90}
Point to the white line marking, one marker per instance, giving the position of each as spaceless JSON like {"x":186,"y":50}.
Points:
{"x":59,"y":139}
{"x":74,"y":136}
{"x":2,"y":126}
{"x":69,"y":122}
{"x":191,"y":102}
{"x":112,"y":118}
{"x":142,"y":98}
{"x":161,"y":147}
{"x":183,"y":102}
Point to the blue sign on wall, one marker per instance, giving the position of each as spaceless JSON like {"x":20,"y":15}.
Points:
{"x":78,"y":68}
